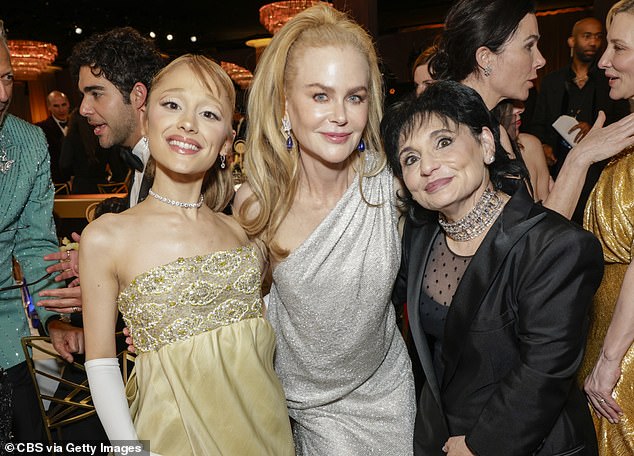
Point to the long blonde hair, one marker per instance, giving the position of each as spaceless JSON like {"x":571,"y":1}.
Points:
{"x":272,"y":171}
{"x":217,"y":186}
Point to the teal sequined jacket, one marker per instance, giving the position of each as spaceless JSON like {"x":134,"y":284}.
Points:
{"x":27,"y":229}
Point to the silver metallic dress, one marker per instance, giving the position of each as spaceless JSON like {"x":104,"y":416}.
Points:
{"x":343,"y":364}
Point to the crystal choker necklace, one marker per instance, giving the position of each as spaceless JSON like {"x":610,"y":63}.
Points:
{"x":477,"y":219}
{"x":171,"y":202}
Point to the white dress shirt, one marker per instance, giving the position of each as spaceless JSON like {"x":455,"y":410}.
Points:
{"x":142,"y":151}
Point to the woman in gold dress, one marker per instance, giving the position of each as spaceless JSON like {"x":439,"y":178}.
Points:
{"x":609,"y":361}
{"x":187,"y":281}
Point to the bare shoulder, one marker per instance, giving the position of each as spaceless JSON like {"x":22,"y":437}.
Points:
{"x":108,"y":232}
{"x":232,"y":227}
{"x":531,"y":143}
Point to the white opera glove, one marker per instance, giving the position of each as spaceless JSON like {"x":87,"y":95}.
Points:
{"x":108,"y":396}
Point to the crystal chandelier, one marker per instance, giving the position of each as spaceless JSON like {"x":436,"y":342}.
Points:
{"x":274,"y":15}
{"x":30,"y":58}
{"x":241,"y":76}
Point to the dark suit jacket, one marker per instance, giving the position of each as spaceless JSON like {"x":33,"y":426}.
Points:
{"x":514,"y":337}
{"x":54,"y":137}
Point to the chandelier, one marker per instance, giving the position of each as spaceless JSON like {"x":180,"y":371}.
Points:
{"x":30,"y":58}
{"x":274,"y":15}
{"x":241,"y":76}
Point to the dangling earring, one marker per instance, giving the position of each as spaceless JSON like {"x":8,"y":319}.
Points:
{"x":286,"y":127}
{"x":145,"y":142}
{"x":223,"y":162}
{"x":490,"y":159}
{"x":487,"y":71}
{"x":361,"y":146}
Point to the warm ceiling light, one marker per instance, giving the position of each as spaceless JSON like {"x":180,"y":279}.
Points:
{"x":274,"y":15}
{"x":152,"y":35}
{"x":30,"y":58}
{"x":193,"y":39}
{"x":238,"y":74}
{"x":170,"y":37}
{"x":78,"y":30}
{"x":258,"y":42}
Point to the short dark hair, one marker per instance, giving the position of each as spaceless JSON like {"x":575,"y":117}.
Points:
{"x":471,"y":24}
{"x":121,"y":55}
{"x":454,"y":104}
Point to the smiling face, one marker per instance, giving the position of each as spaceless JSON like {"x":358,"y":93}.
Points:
{"x":327,"y":101}
{"x":514,"y":68}
{"x":618,"y":58}
{"x":187,"y":124}
{"x":115,"y":122}
{"x":444,"y":166}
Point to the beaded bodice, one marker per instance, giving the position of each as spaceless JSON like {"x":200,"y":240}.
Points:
{"x":190,"y":296}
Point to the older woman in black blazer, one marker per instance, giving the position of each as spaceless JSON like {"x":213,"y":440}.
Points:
{"x":497,"y":287}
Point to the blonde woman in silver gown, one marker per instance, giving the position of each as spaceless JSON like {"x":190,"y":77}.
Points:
{"x":187,"y":281}
{"x":321,"y":198}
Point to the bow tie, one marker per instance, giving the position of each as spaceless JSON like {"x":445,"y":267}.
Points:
{"x":63,"y":124}
{"x":131,"y":160}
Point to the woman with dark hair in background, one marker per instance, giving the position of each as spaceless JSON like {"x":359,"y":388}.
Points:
{"x":420,"y":69}
{"x":508,"y":113}
{"x":499,"y":340}
{"x":491,"y":46}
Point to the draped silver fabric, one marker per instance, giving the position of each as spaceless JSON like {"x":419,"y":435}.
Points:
{"x":343,"y":364}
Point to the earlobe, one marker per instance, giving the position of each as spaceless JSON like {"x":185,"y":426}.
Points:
{"x":488,"y":145}
{"x":483,"y":57}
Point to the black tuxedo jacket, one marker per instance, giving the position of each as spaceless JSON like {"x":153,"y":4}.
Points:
{"x":514,"y":337}
{"x":54,"y":137}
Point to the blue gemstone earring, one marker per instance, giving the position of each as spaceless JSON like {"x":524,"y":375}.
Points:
{"x":286,"y":127}
{"x":361,"y":146}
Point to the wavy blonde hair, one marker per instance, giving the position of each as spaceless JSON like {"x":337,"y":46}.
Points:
{"x":272,"y":171}
{"x":624,"y":6}
{"x":217,"y":186}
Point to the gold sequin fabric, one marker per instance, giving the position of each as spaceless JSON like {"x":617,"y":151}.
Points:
{"x":190,"y":296}
{"x":609,"y":215}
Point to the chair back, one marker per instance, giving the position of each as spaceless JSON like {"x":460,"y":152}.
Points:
{"x":74,"y":403}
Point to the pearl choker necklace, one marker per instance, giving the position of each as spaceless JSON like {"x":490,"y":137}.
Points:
{"x":477,"y":219}
{"x":171,"y":202}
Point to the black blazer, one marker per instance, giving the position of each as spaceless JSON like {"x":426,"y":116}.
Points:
{"x":54,"y":138}
{"x":514,"y":337}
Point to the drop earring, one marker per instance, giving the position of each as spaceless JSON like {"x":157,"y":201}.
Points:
{"x":361,"y":146}
{"x":487,"y":71}
{"x":223,"y":162}
{"x":286,"y":127}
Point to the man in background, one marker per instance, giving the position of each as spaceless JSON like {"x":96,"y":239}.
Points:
{"x":55,"y":128}
{"x":580,"y":90}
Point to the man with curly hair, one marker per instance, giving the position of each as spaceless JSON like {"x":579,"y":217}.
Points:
{"x":114,"y":72}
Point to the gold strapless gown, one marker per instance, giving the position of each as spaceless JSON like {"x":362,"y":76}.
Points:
{"x":609,"y":215}
{"x":204,"y":382}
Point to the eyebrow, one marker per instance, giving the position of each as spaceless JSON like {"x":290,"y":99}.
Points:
{"x":432,"y":135}
{"x":326,"y":88}
{"x":92,"y":87}
{"x":532,"y":37}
